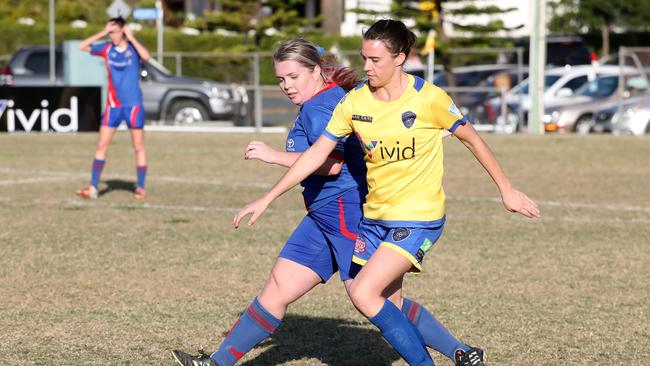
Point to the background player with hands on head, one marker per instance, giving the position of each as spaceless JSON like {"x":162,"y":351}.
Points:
{"x":399,"y":119}
{"x":122,"y":55}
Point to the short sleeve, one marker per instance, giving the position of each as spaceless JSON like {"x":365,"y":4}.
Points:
{"x":315,"y":120}
{"x":297,"y":140}
{"x":340,"y":125}
{"x":98,"y":49}
{"x":444,"y":112}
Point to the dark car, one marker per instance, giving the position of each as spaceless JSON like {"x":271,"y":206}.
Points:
{"x":560,"y":51}
{"x":165,"y":96}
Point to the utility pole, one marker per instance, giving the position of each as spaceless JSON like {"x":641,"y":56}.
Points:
{"x":537,"y":64}
{"x":52,"y":45}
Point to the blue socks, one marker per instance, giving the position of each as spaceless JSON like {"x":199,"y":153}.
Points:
{"x":98,"y":166}
{"x":254,"y":326}
{"x":401,"y":334}
{"x":141,"y":172}
{"x":435,"y":334}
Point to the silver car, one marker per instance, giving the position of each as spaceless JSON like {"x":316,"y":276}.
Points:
{"x":631,"y":117}
{"x":575,"y":113}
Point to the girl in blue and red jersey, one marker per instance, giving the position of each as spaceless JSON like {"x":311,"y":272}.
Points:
{"x":122,"y":55}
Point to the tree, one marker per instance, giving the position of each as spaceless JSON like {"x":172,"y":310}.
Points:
{"x":582,"y":16}
{"x":434,"y":15}
{"x":246,"y":16}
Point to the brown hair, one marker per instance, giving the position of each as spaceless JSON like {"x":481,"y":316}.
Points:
{"x":309,"y":55}
{"x":394,"y":34}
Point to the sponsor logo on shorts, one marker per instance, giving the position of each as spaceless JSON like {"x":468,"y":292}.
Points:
{"x":408,"y":119}
{"x":401,"y":233}
{"x":359,"y":246}
{"x":360,"y":118}
{"x":426,"y":245}
{"x":419,"y":255}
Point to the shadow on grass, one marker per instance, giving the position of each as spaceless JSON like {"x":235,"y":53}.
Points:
{"x":117,"y":185}
{"x":334,"y":342}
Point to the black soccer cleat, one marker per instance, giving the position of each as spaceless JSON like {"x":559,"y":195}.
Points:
{"x":185,"y":359}
{"x":472,"y":357}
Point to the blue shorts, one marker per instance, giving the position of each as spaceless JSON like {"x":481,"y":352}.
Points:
{"x":411,"y":242}
{"x":324,"y":239}
{"x":133,"y":115}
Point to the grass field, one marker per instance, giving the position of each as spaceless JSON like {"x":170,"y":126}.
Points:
{"x":116,"y":282}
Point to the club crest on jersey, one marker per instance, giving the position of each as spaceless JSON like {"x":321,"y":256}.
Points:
{"x":360,"y":118}
{"x":408,"y":119}
{"x":401,"y":233}
{"x":453,"y":109}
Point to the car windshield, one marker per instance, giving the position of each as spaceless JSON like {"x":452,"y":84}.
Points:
{"x":548,"y":81}
{"x":158,"y":66}
{"x":599,"y":88}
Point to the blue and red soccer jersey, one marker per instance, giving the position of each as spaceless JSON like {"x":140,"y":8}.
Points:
{"x":324,"y":240}
{"x":308,"y":127}
{"x":124,"y":101}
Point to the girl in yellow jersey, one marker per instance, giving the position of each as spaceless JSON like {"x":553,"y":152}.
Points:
{"x":399,"y":120}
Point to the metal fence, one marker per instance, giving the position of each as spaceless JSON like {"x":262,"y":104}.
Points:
{"x":267,"y":105}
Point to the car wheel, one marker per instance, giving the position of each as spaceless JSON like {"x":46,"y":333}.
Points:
{"x":583,"y":125}
{"x":187,"y":112}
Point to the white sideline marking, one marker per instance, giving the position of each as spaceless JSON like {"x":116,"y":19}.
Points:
{"x":135,"y":205}
{"x":12,"y":182}
{"x":59,"y":175}
{"x":197,"y":208}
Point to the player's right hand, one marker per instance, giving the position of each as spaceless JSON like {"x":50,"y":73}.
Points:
{"x":255,"y":209}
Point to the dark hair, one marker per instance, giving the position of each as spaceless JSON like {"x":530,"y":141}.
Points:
{"x":393,"y":33}
{"x":308,"y":55}
{"x":119,"y":21}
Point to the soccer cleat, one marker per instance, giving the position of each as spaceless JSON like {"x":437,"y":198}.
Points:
{"x":185,"y":359}
{"x":89,"y":192}
{"x":139,"y":194}
{"x":471,"y":357}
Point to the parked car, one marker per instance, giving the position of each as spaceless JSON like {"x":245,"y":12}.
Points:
{"x":165,"y":96}
{"x":575,"y":113}
{"x":633,"y":117}
{"x":559,"y":84}
{"x":560,"y":51}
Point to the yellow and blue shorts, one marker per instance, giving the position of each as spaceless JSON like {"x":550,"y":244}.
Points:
{"x":411,"y":242}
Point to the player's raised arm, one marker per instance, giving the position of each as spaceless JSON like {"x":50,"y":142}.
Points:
{"x":142,"y":51}
{"x":85,"y":44}
{"x":306,"y":164}
{"x":513,"y":200}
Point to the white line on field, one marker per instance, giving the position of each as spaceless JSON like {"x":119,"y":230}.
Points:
{"x":559,"y":204}
{"x":59,"y":175}
{"x":135,"y":205}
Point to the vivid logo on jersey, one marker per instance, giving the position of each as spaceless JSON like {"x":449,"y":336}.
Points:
{"x":396,"y":152}
{"x":367,"y":148}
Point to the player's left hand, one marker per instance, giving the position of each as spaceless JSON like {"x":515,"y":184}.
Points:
{"x":516,"y":201}
{"x":255,"y":209}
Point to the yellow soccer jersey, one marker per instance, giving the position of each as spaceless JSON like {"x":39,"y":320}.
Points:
{"x":402,"y":140}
